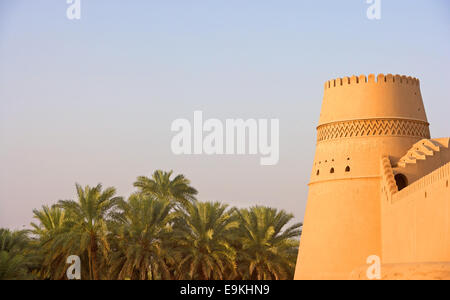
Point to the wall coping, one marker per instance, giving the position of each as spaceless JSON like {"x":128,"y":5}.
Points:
{"x":437,"y":175}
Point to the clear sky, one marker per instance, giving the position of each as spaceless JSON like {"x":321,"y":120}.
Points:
{"x":92,"y":100}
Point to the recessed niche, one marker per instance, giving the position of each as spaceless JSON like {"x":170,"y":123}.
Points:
{"x":401,"y":181}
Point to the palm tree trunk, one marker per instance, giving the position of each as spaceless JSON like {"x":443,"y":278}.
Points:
{"x":94,"y":268}
{"x":93,"y":247}
{"x":90,"y":263}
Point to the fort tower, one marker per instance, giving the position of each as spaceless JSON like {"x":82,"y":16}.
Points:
{"x":362,"y":119}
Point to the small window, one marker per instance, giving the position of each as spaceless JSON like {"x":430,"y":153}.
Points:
{"x":347,"y":169}
{"x":318,"y":172}
{"x":401,"y":181}
{"x":332,"y":170}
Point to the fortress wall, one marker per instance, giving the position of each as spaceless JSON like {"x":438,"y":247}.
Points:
{"x":416,"y":224}
{"x":350,"y":158}
{"x":342,"y":225}
{"x":337,"y":240}
{"x":361,"y":119}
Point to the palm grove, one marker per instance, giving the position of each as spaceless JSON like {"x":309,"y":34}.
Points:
{"x":160,"y":232}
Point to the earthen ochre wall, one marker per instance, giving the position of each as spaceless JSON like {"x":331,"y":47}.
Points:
{"x":416,"y":221}
{"x":362,"y":118}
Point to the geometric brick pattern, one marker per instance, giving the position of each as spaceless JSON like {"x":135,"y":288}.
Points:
{"x":373,"y":127}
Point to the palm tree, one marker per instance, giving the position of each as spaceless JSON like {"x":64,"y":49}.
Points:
{"x":162,"y":187}
{"x":13,"y":266}
{"x":265,"y":250}
{"x":51,"y":219}
{"x":202,"y":235}
{"x":52,"y":247}
{"x":143,"y":224}
{"x":11,"y":241}
{"x":14,"y":262}
{"x":87,"y":219}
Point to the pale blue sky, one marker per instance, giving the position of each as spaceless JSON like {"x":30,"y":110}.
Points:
{"x":92,"y":100}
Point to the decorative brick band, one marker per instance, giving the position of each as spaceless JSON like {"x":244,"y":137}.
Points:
{"x":373,"y":127}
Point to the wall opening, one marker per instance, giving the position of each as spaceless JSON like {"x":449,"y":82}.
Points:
{"x":318,"y":172}
{"x":332,"y":170}
{"x":401,"y":181}
{"x":347,"y":169}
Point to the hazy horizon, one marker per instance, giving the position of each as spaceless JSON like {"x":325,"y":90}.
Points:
{"x":92,"y":100}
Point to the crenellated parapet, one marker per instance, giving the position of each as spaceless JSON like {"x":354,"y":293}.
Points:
{"x":380,"y":79}
{"x":379,"y":185}
{"x":372,"y":97}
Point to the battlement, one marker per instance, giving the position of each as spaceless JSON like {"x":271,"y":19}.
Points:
{"x":372,"y":97}
{"x":362,"y":79}
{"x":359,"y":190}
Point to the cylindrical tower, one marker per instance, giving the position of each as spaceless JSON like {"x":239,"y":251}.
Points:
{"x":362,"y":118}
